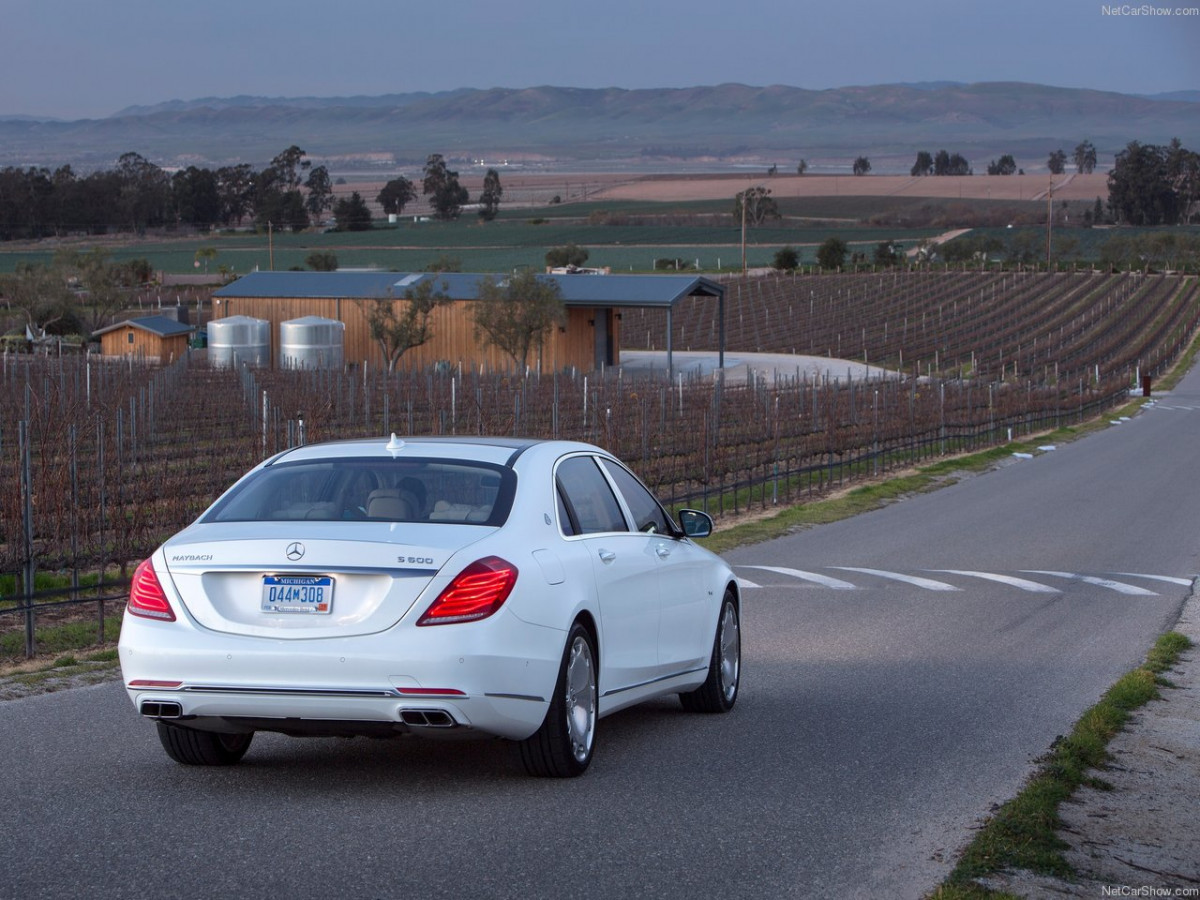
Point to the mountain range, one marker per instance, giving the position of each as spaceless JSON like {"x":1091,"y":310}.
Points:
{"x":702,"y":128}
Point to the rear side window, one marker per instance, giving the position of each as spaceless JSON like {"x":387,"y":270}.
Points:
{"x":587,"y":499}
{"x":408,"y":490}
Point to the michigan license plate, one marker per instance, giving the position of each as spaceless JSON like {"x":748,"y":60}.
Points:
{"x":311,"y":594}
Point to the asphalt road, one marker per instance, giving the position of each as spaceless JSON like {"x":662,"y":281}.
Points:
{"x":887,"y":705}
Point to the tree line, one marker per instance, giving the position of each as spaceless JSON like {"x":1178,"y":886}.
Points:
{"x":1155,"y":185}
{"x":1149,"y":184}
{"x":946,"y":163}
{"x":137,"y":195}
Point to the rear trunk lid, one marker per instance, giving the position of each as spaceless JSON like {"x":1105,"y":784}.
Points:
{"x":311,"y":580}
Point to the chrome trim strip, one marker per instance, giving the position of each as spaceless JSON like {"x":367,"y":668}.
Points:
{"x":390,"y":693}
{"x":630,"y":687}
{"x":290,"y":569}
{"x":516,"y":697}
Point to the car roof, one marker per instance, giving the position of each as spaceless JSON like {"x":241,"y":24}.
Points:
{"x":496,"y":450}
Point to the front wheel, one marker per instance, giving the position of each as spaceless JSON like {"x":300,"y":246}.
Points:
{"x":202,"y":748}
{"x":562,"y":746}
{"x":720,"y":689}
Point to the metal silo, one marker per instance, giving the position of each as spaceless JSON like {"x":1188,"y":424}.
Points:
{"x":311,"y":343}
{"x":239,"y":340}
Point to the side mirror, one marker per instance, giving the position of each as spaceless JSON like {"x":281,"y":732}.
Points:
{"x":695,"y":524}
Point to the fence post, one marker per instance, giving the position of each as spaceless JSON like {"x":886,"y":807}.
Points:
{"x":30,"y":568}
{"x":875,"y":432}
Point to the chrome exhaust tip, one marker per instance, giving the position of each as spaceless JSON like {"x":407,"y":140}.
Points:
{"x":161,"y":709}
{"x":427,"y":718}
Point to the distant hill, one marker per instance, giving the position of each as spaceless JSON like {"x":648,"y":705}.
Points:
{"x":1184,"y":96}
{"x":700,"y":127}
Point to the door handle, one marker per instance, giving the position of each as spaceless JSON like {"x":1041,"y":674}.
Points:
{"x":607,"y":556}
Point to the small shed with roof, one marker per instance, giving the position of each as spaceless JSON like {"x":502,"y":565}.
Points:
{"x":153,"y":338}
{"x":589,"y":340}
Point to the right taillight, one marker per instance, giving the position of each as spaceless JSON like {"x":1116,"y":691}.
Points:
{"x":146,"y":596}
{"x":475,"y":593}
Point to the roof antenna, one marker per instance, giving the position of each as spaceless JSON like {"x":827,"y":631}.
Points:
{"x":395,"y":444}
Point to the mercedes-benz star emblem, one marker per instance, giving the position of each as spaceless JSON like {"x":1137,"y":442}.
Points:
{"x":295,"y":551}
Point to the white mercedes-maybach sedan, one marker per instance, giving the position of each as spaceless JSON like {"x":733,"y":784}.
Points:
{"x":433,"y":586}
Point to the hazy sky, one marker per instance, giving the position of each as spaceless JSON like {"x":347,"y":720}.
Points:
{"x":85,"y":58}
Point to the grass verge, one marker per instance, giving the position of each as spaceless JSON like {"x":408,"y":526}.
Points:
{"x":65,"y":649}
{"x":57,"y":639}
{"x":66,"y":671}
{"x":1023,"y":833}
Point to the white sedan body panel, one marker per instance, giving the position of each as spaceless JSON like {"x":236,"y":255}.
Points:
{"x":628,"y":588}
{"x":231,"y":660}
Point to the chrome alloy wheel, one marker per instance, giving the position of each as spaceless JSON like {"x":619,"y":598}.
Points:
{"x":581,"y":698}
{"x":730,"y":652}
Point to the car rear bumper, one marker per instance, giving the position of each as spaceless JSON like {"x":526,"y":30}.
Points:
{"x":404,"y":680}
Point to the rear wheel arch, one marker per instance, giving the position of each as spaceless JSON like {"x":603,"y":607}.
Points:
{"x":588,"y":621}
{"x":563,"y":744}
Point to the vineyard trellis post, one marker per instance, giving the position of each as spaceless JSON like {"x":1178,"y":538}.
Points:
{"x":875,"y":432}
{"x":30,"y":562}
{"x":942,"y":417}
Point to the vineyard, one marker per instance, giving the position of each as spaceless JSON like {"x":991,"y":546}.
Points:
{"x":990,"y":326}
{"x":102,"y":460}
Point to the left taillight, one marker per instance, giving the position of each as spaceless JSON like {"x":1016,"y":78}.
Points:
{"x":475,"y":593}
{"x":146,"y":596}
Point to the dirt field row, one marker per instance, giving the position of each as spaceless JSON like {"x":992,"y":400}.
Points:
{"x":975,"y":187}
{"x":524,"y":188}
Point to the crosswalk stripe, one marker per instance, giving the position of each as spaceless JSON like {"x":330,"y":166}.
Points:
{"x":823,"y":580}
{"x":1119,"y":586}
{"x":927,"y":583}
{"x":1023,"y":584}
{"x":1167,"y":578}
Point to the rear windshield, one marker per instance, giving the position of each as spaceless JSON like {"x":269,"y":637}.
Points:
{"x":380,"y":490}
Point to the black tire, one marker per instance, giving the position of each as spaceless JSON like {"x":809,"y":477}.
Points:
{"x":720,"y":689}
{"x":202,"y":748}
{"x":562,"y":746}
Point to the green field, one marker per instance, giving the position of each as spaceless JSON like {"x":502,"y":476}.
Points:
{"x":626,"y":236}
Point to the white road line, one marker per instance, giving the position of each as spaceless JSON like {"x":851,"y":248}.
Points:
{"x":823,"y":580}
{"x":927,"y":583}
{"x":1023,"y":584}
{"x":1167,"y":578}
{"x":1119,"y":586}
{"x":747,"y":583}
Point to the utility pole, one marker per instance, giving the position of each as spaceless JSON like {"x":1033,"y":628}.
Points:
{"x":759,"y":193}
{"x":744,"y":231}
{"x":270,"y":246}
{"x":1049,"y":218}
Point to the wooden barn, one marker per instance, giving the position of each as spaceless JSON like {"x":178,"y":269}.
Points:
{"x":589,"y":340}
{"x":152,"y":338}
